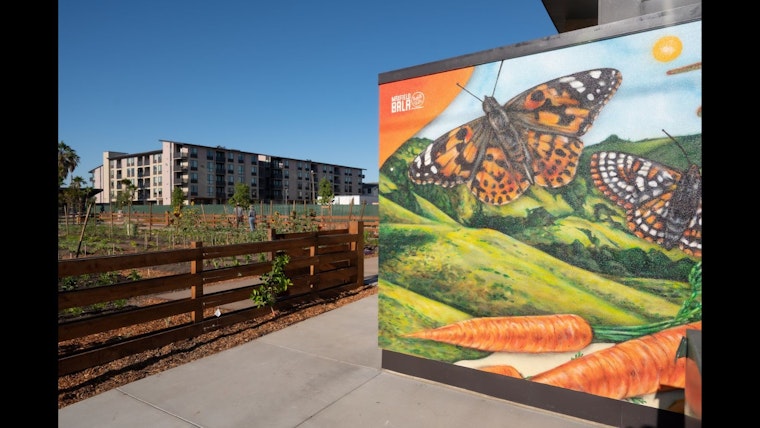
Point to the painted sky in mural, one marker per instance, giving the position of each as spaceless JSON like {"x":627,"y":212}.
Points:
{"x":648,"y":100}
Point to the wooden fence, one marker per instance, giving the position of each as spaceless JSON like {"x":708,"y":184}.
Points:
{"x":321,"y":263}
{"x":159,"y":220}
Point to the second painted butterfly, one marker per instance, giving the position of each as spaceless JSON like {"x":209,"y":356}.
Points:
{"x":663,"y":205}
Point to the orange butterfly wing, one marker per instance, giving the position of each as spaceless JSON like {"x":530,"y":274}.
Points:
{"x":533,"y":138}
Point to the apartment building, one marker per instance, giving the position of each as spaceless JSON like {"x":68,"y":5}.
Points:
{"x":208,"y":175}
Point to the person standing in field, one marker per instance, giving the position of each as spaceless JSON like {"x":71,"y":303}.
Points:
{"x":238,"y":214}
{"x":252,"y":218}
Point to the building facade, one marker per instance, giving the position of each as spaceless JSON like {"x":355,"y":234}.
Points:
{"x":208,"y":175}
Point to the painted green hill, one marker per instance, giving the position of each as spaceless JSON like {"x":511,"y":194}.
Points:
{"x":561,"y":250}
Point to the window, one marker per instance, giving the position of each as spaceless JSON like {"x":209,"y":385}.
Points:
{"x":241,"y":169}
{"x":193,"y":152}
{"x":241,"y":158}
{"x":210,"y":179}
{"x":194,"y":164}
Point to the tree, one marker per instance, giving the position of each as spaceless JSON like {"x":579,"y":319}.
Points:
{"x":273,"y":284}
{"x":125,"y":198}
{"x":71,"y":198}
{"x":326,"y":193}
{"x":178,"y":199}
{"x":241,"y":196}
{"x":67,"y":162}
{"x":76,"y":193}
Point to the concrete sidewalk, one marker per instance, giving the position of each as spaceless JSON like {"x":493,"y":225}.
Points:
{"x":322,"y":372}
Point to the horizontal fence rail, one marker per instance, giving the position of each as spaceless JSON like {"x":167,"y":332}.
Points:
{"x":321,"y":263}
{"x":146,"y":220}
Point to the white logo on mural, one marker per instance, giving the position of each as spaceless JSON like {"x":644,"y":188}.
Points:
{"x":409,"y":101}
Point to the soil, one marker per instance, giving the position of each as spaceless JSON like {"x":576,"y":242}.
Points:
{"x":79,"y":386}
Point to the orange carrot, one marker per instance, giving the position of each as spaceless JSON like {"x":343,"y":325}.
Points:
{"x":628,"y":369}
{"x":530,"y":333}
{"x":505,"y":370}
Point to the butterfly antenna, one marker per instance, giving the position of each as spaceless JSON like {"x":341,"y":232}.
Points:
{"x":497,"y":78}
{"x":465,"y":89}
{"x":678,"y":144}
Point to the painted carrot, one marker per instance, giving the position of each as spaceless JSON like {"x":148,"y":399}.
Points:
{"x":530,"y":333}
{"x":628,"y":369}
{"x":504,"y":369}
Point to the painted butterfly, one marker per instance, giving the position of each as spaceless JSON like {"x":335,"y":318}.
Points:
{"x":663,"y":205}
{"x":532,"y":139}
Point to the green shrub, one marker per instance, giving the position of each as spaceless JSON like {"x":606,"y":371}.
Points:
{"x":274,"y":282}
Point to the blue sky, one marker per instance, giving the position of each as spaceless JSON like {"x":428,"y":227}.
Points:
{"x":295,"y":79}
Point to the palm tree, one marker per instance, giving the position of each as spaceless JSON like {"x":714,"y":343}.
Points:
{"x":68,"y":160}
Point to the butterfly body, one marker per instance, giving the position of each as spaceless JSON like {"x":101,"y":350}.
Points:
{"x":532,"y":139}
{"x":663,"y":205}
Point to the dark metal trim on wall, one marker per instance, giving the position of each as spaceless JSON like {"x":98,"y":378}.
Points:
{"x":559,"y":400}
{"x":585,"y":35}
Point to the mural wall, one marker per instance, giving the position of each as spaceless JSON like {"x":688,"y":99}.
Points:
{"x":541,"y":216}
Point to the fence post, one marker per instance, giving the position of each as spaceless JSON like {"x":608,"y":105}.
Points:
{"x":357,"y":228}
{"x":196,"y":289}
{"x":271,"y":236}
{"x":314,"y":267}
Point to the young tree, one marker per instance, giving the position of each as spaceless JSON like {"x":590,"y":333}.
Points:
{"x":178,"y":200}
{"x":240,"y":201}
{"x":326,"y":193}
{"x":241,"y":196}
{"x":125,"y":198}
{"x":76,"y":194}
{"x":274,"y":282}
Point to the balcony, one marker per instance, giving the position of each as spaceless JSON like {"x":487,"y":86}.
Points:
{"x":181,"y":154}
